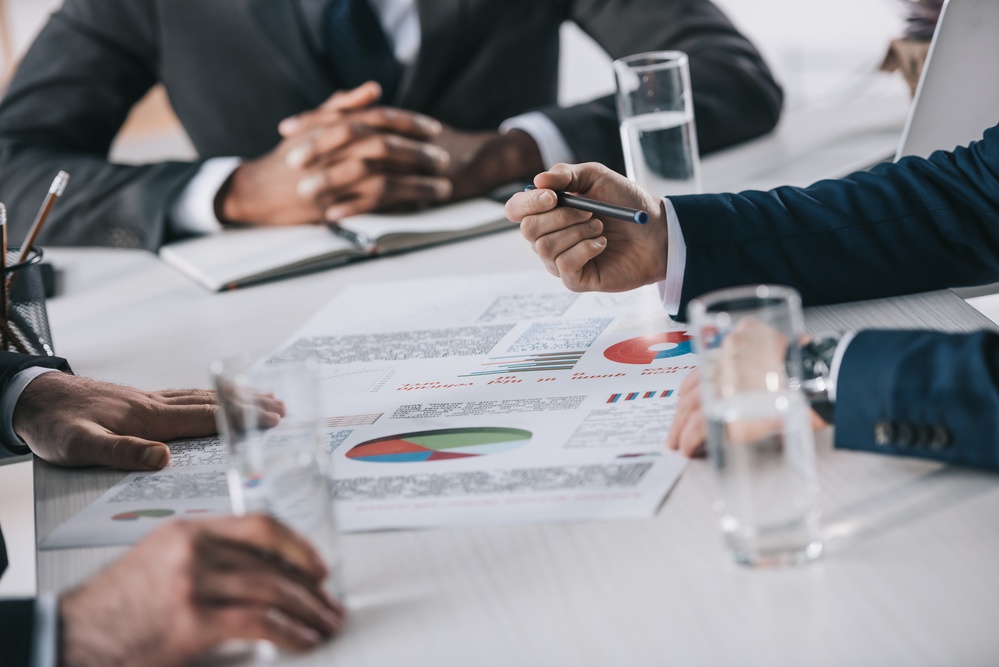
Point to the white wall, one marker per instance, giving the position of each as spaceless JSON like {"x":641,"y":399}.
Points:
{"x":816,"y":48}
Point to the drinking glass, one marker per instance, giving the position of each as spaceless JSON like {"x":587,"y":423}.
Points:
{"x":270,"y":417}
{"x":759,"y":429}
{"x":657,"y":122}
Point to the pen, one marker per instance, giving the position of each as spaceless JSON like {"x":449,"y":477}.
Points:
{"x":599,"y":207}
{"x":55,"y":191}
{"x":362,"y":241}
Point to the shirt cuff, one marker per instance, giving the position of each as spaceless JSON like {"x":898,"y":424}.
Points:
{"x":193,"y":212}
{"x":43,"y":652}
{"x":676,"y":262}
{"x":837,"y":360}
{"x":10,"y":397}
{"x":551,"y":143}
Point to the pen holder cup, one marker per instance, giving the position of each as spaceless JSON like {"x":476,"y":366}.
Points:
{"x":24,"y":320}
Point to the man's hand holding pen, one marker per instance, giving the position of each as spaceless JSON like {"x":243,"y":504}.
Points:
{"x":586,"y":251}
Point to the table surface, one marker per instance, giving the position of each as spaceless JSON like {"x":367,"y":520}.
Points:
{"x":908,"y":576}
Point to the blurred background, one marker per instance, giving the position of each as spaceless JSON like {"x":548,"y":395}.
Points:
{"x":819,"y":51}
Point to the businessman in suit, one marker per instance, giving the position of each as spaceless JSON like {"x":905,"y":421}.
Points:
{"x":303,"y":110}
{"x":917,"y":225}
{"x":185,"y":588}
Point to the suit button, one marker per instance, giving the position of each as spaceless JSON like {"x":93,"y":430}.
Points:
{"x":905,"y":434}
{"x":884,"y":433}
{"x":923,"y":436}
{"x":940,"y":440}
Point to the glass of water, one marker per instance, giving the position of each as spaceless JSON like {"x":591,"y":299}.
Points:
{"x":759,"y":429}
{"x":270,"y":416}
{"x":657,"y":122}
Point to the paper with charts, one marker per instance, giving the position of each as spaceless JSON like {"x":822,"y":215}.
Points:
{"x":500,"y":398}
{"x":192,"y":486}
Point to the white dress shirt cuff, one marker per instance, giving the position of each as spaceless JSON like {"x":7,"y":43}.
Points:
{"x":676,"y":262}
{"x":193,"y":212}
{"x":837,"y":359}
{"x":551,"y":143}
{"x":13,"y":392}
{"x":43,"y":652}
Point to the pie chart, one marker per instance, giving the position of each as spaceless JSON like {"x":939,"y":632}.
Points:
{"x":449,"y":443}
{"x":646,"y":349}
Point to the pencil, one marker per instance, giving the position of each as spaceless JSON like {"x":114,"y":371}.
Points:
{"x":6,"y":330}
{"x":599,"y":207}
{"x":3,"y":275}
{"x":55,"y":191}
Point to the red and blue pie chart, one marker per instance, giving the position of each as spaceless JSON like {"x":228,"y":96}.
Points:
{"x":449,"y":443}
{"x":646,"y":349}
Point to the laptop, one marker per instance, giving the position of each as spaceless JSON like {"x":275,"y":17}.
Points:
{"x":957,"y":98}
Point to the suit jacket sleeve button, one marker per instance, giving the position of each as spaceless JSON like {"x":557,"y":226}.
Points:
{"x":905,"y":434}
{"x":884,"y":433}
{"x":924,"y":435}
{"x":941,"y":438}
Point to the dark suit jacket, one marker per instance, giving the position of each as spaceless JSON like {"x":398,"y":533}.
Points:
{"x":234,"y":69}
{"x":929,"y":394}
{"x":17,"y":617}
{"x":11,"y":364}
{"x":913,"y":226}
{"x":17,"y":624}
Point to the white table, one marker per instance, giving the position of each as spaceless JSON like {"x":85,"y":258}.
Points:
{"x":909,"y":577}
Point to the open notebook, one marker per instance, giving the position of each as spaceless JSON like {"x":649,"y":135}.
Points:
{"x":243,"y":256}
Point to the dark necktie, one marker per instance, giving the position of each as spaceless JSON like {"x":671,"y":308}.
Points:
{"x":358,"y":47}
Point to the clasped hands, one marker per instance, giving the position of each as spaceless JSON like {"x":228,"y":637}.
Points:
{"x":350,"y":156}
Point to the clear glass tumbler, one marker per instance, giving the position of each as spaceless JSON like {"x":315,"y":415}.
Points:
{"x":656,"y":112}
{"x":270,"y":417}
{"x":759,"y":429}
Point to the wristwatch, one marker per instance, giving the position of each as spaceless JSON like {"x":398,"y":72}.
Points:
{"x":816,"y":379}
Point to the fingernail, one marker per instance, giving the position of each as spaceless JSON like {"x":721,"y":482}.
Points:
{"x":600,"y":242}
{"x":309,"y":186}
{"x":334,"y":214}
{"x":443,"y":189}
{"x":438,"y":155}
{"x":289,"y":125}
{"x":547,"y":198}
{"x":429,"y":125}
{"x":299,"y":155}
{"x":155,"y":457}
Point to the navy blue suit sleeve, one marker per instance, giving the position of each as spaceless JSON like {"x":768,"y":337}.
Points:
{"x":10,"y":365}
{"x":914,"y":226}
{"x":921,"y":385}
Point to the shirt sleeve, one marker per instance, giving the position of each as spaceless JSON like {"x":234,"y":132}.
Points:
{"x":193,"y":211}
{"x":9,"y":402}
{"x":837,"y":361}
{"x":551,"y":144}
{"x":43,"y":653}
{"x":676,"y":262}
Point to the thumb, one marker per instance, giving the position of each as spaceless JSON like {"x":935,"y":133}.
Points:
{"x":127,"y":452}
{"x":571,"y":177}
{"x":357,"y":98}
